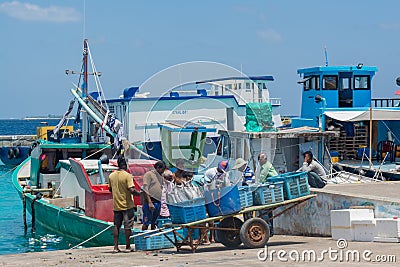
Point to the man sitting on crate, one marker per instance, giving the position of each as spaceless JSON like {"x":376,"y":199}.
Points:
{"x":267,"y":170}
{"x":315,"y":170}
{"x":152,"y":192}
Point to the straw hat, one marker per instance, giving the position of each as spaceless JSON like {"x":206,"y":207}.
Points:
{"x":239,"y":163}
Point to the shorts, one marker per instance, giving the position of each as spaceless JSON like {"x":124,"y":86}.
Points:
{"x":125,"y":216}
{"x":150,"y":217}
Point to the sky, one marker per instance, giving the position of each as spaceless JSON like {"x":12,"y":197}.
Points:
{"x":133,"y":40}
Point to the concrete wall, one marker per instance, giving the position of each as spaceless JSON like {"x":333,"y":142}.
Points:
{"x":312,"y":218}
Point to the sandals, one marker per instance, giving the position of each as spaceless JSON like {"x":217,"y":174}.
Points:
{"x":116,"y":251}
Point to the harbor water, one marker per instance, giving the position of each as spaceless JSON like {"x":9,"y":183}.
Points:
{"x":12,"y":237}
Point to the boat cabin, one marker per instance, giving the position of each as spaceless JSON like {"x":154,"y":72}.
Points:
{"x":333,"y":87}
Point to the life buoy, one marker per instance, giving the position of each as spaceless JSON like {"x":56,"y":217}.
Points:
{"x":10,"y":153}
{"x":16,"y":152}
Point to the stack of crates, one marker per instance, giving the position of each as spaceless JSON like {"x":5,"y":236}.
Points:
{"x":188,"y":211}
{"x":295,"y":184}
{"x":246,"y":197}
{"x":268,"y":193}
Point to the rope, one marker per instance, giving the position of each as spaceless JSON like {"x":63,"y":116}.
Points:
{"x":102,"y":231}
{"x":8,"y":172}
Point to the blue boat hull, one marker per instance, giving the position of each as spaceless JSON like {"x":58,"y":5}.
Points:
{"x":8,"y":158}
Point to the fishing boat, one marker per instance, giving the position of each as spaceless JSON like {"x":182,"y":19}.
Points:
{"x":340,"y":98}
{"x":63,"y":183}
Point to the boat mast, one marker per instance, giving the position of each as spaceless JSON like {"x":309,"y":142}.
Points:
{"x":85,"y":90}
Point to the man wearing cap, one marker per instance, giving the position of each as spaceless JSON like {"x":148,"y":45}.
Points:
{"x":217,"y":176}
{"x":247,"y":173}
{"x":267,"y":170}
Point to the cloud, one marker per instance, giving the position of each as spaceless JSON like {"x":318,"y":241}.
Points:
{"x":269,"y":35}
{"x":31,"y":12}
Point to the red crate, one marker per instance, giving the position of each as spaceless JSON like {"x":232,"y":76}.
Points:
{"x":99,"y":204}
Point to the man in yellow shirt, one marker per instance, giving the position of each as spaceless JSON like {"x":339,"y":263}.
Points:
{"x":121,"y":185}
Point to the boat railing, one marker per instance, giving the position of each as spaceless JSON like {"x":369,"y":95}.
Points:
{"x":385,"y":102}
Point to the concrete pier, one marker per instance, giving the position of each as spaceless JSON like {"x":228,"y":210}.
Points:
{"x":312,"y":218}
{"x":369,"y":253}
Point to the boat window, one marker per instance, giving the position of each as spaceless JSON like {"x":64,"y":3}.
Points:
{"x":112,"y":109}
{"x":259,"y":85}
{"x":329,"y":82}
{"x":345,"y":83}
{"x":240,"y":85}
{"x":247,"y":85}
{"x":361,"y":82}
{"x":228,"y":86}
{"x":264,"y":86}
{"x":252,"y":85}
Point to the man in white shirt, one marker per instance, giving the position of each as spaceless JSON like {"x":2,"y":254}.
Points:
{"x":217,"y":177}
{"x":315,"y":170}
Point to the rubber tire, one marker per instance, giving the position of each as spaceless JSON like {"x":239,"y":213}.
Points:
{"x":10,"y":153}
{"x":16,"y":152}
{"x":255,"y":233}
{"x":230,"y":239}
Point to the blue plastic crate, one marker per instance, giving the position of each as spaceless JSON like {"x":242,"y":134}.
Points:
{"x":222,"y":201}
{"x":246,"y":197}
{"x":268,"y":193}
{"x":152,"y":243}
{"x":188,"y":211}
{"x":184,"y":233}
{"x":295,"y":184}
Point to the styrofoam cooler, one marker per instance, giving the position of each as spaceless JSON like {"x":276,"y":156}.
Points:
{"x":341,"y":221}
{"x":388,"y":227}
{"x":222,"y":201}
{"x":364,"y":230}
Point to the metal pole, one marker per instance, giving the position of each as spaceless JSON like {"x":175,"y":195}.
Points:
{"x":24,"y":213}
{"x":33,"y":216}
{"x":370,"y":137}
{"x":84,"y":90}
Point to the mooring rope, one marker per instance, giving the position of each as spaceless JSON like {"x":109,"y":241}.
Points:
{"x":99,"y":233}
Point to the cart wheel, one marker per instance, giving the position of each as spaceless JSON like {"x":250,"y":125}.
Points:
{"x":230,"y":239}
{"x":254,"y":233}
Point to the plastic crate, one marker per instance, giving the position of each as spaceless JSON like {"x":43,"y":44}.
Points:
{"x":184,"y":233}
{"x":246,"y":197}
{"x":188,"y":211}
{"x":222,"y":201}
{"x":268,"y":193}
{"x":154,"y":242}
{"x":295,"y":184}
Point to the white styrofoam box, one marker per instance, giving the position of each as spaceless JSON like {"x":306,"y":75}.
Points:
{"x":343,"y":218}
{"x":387,"y":239}
{"x":387,"y":227}
{"x":364,"y":230}
{"x":342,"y":233}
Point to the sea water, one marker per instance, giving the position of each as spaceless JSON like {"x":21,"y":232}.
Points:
{"x":12,"y":237}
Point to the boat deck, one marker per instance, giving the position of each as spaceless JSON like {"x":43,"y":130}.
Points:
{"x":389,"y":170}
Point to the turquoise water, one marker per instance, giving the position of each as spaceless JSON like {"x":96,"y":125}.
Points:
{"x":12,"y":237}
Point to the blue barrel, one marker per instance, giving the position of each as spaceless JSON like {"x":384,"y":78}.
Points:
{"x":222,"y":201}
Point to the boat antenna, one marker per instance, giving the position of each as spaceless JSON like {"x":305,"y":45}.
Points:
{"x":84,"y":19}
{"x":326,"y":56}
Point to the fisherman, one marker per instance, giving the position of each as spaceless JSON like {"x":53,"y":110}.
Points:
{"x":152,"y":192}
{"x":217,"y":176}
{"x":120,"y":183}
{"x":180,"y":167}
{"x":267,"y":170}
{"x":314,"y":169}
{"x":248,"y":176}
{"x":167,"y":188}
